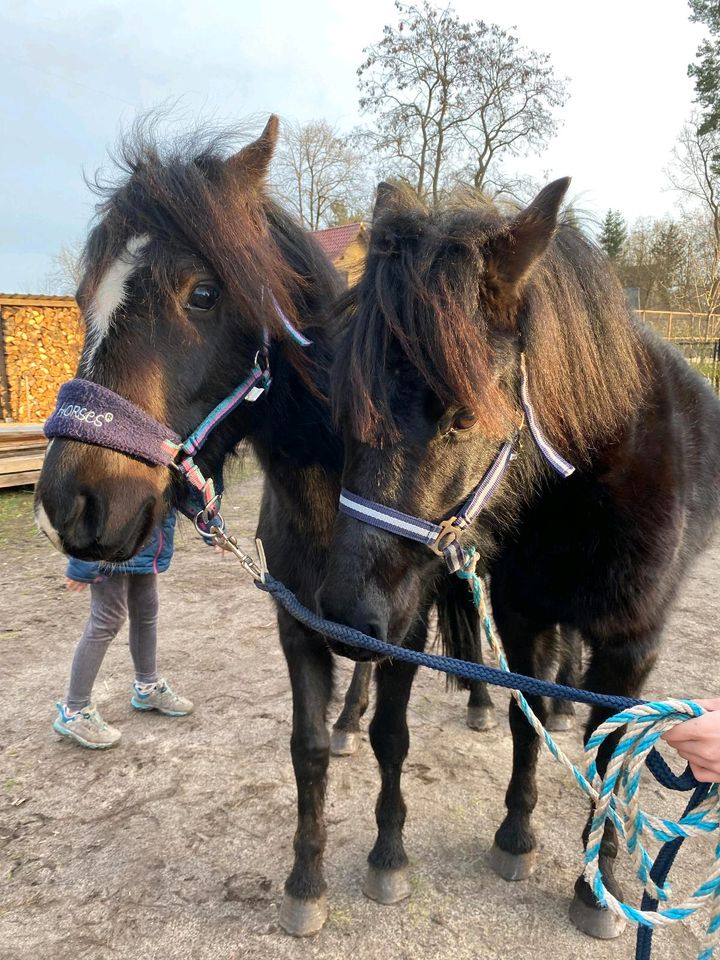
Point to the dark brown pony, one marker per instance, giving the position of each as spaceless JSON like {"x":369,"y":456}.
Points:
{"x":426,"y":385}
{"x":181,"y":273}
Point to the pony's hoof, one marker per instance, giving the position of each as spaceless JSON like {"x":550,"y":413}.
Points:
{"x":481,"y":718}
{"x":302,"y":918}
{"x":512,"y":866}
{"x":598,"y":922}
{"x":560,"y":722}
{"x":387,"y":886}
{"x":344,"y":743}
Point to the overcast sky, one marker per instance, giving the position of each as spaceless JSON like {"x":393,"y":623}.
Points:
{"x":73,"y":74}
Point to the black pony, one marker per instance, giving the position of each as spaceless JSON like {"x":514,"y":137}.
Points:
{"x":188,"y":274}
{"x":426,"y":384}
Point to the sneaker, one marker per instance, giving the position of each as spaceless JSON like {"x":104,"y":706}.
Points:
{"x":85,"y":727}
{"x":161,"y":697}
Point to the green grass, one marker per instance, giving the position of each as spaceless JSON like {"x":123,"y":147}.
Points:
{"x":707,"y":368}
{"x":16,"y":504}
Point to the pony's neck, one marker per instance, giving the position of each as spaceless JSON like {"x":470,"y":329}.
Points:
{"x":289,"y":427}
{"x":294,"y":427}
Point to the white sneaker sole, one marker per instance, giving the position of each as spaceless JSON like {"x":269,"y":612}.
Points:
{"x":138,"y":705}
{"x":65,"y":732}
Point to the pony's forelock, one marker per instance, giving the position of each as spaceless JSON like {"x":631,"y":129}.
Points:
{"x":181,"y":191}
{"x":431,"y":290}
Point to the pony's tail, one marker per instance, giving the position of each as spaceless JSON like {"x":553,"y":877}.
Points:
{"x":458,"y":626}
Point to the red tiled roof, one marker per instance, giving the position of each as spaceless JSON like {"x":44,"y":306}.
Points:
{"x":336,"y":240}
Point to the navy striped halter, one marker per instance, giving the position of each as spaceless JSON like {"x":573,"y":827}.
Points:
{"x":444,"y":538}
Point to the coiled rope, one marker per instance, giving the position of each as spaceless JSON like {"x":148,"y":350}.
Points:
{"x":616,"y":795}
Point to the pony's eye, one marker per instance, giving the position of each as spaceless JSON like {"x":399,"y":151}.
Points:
{"x":464,"y":419}
{"x":204,"y":296}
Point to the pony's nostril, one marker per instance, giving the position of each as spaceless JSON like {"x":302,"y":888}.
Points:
{"x":368,"y":615}
{"x":83,"y":521}
{"x":373,"y":628}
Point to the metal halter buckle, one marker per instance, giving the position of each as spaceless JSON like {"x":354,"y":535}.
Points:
{"x":448,"y":533}
{"x":216,"y":533}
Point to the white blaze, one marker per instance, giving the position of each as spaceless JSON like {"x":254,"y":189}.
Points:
{"x":111,"y":293}
{"x":42,"y":521}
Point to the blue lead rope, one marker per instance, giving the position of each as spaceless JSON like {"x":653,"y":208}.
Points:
{"x":616,"y":796}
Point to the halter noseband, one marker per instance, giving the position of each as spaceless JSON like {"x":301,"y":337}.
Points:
{"x":91,"y":413}
{"x":444,"y":538}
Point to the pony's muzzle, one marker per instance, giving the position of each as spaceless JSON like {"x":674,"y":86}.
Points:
{"x":370,"y":619}
{"x":95,"y":504}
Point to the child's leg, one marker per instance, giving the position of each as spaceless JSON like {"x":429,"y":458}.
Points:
{"x":150,"y":691}
{"x":108,"y":609}
{"x":142,"y":598}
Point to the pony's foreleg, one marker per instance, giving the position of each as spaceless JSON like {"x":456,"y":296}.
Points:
{"x":387,"y":879}
{"x":304,"y":907}
{"x":562,"y":712}
{"x":621,"y":668}
{"x":345,"y":736}
{"x":513,"y":852}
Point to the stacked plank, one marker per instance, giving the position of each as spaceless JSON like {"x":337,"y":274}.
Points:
{"x":41,"y":341}
{"x":22,"y":448}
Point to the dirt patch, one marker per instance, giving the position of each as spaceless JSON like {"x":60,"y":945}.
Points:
{"x":175,"y":845}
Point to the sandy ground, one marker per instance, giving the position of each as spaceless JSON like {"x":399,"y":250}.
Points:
{"x":175,"y":845}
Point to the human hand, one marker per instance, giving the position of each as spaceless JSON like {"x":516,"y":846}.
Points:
{"x":698,"y":741}
{"x":76,"y":586}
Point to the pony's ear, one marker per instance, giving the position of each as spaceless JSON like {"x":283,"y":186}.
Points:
{"x":530,"y":233}
{"x":384,"y":196}
{"x":390,"y":196}
{"x":253,"y":161}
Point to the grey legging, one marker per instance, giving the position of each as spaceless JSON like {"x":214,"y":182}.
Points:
{"x":114,"y":599}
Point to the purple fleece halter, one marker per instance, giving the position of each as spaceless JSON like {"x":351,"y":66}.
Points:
{"x":90,"y":413}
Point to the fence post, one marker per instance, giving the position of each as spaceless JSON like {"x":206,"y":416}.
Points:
{"x":5,"y":408}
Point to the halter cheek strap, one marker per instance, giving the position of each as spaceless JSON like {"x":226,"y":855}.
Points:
{"x":444,"y":538}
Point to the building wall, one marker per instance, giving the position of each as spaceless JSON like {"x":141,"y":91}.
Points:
{"x":352,"y":262}
{"x":41,"y":338}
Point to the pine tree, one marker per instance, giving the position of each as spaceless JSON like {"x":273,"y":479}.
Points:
{"x":613,"y":234}
{"x":706,"y":71}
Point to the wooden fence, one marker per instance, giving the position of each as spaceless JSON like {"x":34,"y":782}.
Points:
{"x":696,"y":336}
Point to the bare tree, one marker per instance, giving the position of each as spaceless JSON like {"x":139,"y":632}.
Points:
{"x":451,"y":96}
{"x":694,"y":174}
{"x":319,"y":173}
{"x":512,"y":93}
{"x":66,"y":273}
{"x":408,"y":81}
{"x":654,"y":259}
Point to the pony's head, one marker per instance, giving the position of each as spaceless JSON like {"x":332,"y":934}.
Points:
{"x":183,"y":282}
{"x":427,"y":376}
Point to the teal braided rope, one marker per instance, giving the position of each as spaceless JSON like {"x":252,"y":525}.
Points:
{"x":616,"y":796}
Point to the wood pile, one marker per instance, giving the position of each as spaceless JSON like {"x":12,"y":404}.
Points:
{"x":41,"y":342}
{"x":22,"y":448}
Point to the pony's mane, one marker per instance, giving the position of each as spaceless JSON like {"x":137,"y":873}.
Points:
{"x":184,"y":192}
{"x":430,"y":290}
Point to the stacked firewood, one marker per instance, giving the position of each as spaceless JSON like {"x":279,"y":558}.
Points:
{"x":41,"y":346}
